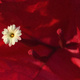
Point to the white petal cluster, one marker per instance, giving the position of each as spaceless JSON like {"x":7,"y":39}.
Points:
{"x":11,"y":35}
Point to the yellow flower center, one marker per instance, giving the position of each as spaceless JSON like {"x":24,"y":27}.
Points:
{"x":12,"y":35}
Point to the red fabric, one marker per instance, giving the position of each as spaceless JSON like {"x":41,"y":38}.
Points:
{"x":50,"y":45}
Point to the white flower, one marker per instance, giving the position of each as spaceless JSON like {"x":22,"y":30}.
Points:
{"x":11,"y":35}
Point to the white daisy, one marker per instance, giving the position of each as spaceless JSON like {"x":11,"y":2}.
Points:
{"x":11,"y":35}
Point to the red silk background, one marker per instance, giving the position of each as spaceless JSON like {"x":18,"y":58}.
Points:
{"x":50,"y":45}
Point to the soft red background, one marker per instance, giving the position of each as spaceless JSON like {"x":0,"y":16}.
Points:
{"x":43,"y":53}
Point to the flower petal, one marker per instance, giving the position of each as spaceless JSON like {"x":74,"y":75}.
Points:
{"x":6,"y":40}
{"x":10,"y":42}
{"x":13,"y":27}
